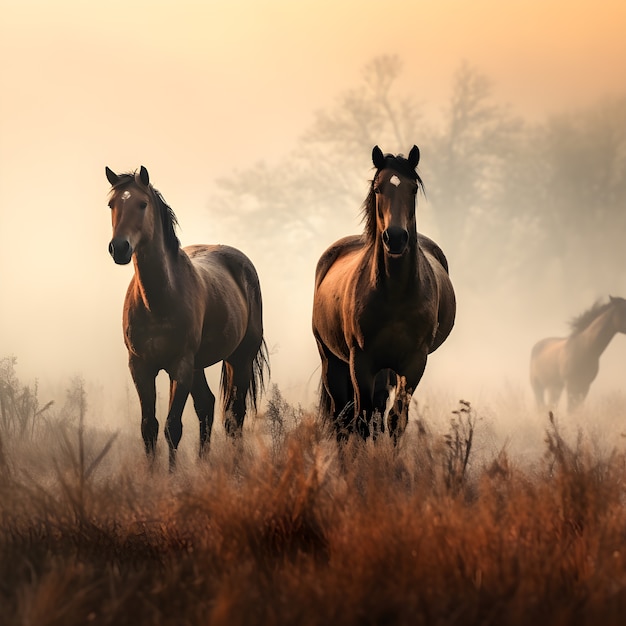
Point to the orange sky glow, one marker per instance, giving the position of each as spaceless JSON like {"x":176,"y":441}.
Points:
{"x":195,"y":90}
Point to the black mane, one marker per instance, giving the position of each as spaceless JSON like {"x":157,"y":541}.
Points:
{"x":582,"y":321}
{"x":398,"y":164}
{"x":166,"y":213}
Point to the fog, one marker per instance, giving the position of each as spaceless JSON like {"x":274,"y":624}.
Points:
{"x":206,"y":96}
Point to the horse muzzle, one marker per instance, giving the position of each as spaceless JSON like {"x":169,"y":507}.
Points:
{"x":121,"y":251}
{"x":395,"y":240}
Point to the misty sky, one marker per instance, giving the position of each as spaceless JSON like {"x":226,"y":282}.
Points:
{"x":198,"y":90}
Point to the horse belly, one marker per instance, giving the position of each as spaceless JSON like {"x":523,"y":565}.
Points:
{"x":330,"y":316}
{"x":217,"y":346}
{"x":333,"y":304}
{"x":224,"y":327}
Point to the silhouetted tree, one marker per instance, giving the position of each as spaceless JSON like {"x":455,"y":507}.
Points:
{"x":566,"y":193}
{"x":585,"y":211}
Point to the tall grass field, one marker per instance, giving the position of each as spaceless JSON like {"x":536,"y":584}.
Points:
{"x":468,"y":522}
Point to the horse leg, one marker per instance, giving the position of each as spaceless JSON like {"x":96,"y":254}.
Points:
{"x":337,"y":395}
{"x":144,"y":378}
{"x":539,"y":395}
{"x":554,"y":395}
{"x":239,"y":377}
{"x":363,"y":382}
{"x":398,"y":417}
{"x":204,"y":404}
{"x":576,"y":396}
{"x":180,"y":384}
{"x":407,"y":384}
{"x":339,"y":388}
{"x":385,"y":382}
{"x":335,"y":381}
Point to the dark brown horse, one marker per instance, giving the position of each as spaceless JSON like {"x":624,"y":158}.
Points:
{"x":383,"y":301}
{"x":185,"y":309}
{"x":572,"y":362}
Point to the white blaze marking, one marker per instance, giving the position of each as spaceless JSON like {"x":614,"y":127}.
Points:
{"x":126,"y":195}
{"x":394,"y":180}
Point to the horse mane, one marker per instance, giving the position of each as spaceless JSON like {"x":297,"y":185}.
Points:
{"x":398,"y":164}
{"x":582,"y":321}
{"x":169,"y":220}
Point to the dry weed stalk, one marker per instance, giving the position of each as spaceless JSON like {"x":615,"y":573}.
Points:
{"x":19,"y":404}
{"x":459,"y":445}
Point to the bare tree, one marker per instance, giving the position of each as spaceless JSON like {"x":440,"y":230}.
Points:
{"x":466,"y":165}
{"x":566,"y":187}
{"x":323,"y":178}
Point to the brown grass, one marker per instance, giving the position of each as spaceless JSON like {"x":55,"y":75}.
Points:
{"x":284,"y":531}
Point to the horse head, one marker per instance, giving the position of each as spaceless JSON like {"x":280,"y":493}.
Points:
{"x":394,"y":189}
{"x":132,"y":212}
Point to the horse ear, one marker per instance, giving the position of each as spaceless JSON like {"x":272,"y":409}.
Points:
{"x":112,"y":177}
{"x":414,"y":157}
{"x":143,"y":176}
{"x":378,"y":158}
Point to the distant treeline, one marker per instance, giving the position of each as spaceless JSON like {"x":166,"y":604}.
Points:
{"x":534,"y":205}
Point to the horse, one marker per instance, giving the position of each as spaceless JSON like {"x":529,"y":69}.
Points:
{"x":572,"y":362}
{"x":185,"y":309}
{"x":383,"y":301}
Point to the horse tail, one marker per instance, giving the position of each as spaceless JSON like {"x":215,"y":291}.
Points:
{"x":325,"y":401}
{"x":260,"y":373}
{"x":253,"y":381}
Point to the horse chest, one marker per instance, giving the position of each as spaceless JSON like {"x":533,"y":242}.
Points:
{"x":154,"y":339}
{"x":395,"y":331}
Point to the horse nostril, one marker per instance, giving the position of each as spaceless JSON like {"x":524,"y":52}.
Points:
{"x":395,"y":239}
{"x":121,"y":251}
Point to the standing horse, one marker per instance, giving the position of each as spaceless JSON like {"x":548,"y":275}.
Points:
{"x":383,"y":301}
{"x":185,"y":309}
{"x":572,"y":362}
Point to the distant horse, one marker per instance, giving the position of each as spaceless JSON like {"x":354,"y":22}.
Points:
{"x":572,"y":362}
{"x":383,"y":301}
{"x":185,"y":309}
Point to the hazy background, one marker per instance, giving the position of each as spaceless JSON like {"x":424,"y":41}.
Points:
{"x":256,"y":121}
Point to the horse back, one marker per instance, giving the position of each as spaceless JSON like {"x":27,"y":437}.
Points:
{"x":334,"y":252}
{"x":230,"y":263}
{"x":428,"y":245}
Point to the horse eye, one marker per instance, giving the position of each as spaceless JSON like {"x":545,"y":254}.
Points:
{"x":143,"y":205}
{"x":377,"y":189}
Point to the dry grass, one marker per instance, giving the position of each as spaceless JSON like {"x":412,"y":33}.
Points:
{"x":286,"y":532}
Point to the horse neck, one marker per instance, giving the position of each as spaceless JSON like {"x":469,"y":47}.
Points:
{"x":398,"y":276}
{"x":154,"y":272}
{"x":599,"y":333}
